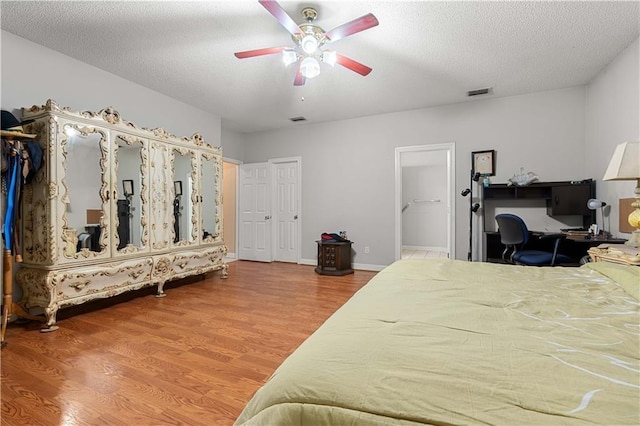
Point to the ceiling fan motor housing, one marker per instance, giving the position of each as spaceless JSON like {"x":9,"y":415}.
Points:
{"x":309,"y":14}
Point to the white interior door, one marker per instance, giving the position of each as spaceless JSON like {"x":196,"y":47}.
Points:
{"x":287,"y":210}
{"x":255,"y":212}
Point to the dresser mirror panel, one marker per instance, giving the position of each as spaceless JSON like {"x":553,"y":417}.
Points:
{"x":85,"y":189}
{"x":131,"y":187}
{"x":209,"y":188}
{"x":184,"y":197}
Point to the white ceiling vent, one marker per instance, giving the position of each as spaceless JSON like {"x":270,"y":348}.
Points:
{"x":477,"y":92}
{"x":294,"y":119}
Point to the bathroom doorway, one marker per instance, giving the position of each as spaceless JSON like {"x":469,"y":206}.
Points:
{"x":424,"y":201}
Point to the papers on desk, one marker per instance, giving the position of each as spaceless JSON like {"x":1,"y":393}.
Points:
{"x":577,"y":234}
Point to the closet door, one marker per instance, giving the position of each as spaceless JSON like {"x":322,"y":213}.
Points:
{"x":286,"y":201}
{"x":255,"y":212}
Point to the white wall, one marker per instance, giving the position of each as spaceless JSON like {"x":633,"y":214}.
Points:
{"x":348,"y":166}
{"x":613,"y":117}
{"x":31,"y":74}
{"x":233,"y":144}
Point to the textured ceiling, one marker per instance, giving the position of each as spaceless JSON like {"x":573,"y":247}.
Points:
{"x":423,"y":53}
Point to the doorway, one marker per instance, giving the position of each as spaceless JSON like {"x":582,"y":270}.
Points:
{"x":230,"y":206}
{"x":425,"y":199}
{"x":269,"y":211}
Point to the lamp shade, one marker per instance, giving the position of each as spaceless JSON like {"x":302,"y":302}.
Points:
{"x":309,"y":44}
{"x":310,"y":67}
{"x":625,"y":165}
{"x":625,"y":162}
{"x":289,"y":57}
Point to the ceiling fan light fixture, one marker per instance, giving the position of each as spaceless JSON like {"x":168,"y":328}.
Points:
{"x":289,"y":57}
{"x":310,"y":67}
{"x":309,"y":44}
{"x":329,"y":57}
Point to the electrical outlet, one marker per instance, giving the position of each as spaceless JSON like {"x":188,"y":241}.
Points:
{"x":366,"y":249}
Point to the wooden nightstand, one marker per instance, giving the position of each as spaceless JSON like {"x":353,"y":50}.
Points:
{"x":334,"y":258}
{"x":616,"y":253}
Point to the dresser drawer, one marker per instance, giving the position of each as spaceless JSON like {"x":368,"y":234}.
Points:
{"x":109,"y":279}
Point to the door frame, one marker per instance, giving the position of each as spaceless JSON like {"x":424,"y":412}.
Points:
{"x":274,"y":219}
{"x":450,"y":149}
{"x":237,"y":163}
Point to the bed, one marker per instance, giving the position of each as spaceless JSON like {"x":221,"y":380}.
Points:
{"x":446,"y":342}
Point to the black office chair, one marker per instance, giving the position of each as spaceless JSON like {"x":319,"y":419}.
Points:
{"x":515,"y":236}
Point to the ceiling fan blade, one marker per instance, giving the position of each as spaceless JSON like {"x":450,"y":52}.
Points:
{"x":360,"y":24}
{"x":299,"y":79}
{"x":258,"y":52}
{"x":352,"y":65}
{"x":279,"y":13}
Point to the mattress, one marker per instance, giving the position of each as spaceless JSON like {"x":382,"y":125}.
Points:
{"x":445,"y":342}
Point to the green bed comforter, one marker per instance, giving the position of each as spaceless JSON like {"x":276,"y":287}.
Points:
{"x":450,"y":342}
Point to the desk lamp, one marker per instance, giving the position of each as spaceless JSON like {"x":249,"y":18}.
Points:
{"x":625,"y":165}
{"x":593,"y":204}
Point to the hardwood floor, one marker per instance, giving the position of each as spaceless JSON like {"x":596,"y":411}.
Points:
{"x":195,"y":357}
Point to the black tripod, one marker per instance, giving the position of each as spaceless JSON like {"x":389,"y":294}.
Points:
{"x":472,"y":209}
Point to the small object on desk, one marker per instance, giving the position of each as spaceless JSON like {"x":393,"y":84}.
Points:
{"x":523,"y":178}
{"x":332,"y":237}
{"x":578,"y":235}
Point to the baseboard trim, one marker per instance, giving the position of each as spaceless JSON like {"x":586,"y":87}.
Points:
{"x":360,"y":266}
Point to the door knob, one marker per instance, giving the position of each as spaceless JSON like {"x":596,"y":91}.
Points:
{"x":267,"y":217}
{"x":295,"y":217}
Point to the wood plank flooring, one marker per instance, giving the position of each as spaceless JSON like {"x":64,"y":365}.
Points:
{"x":195,"y":357}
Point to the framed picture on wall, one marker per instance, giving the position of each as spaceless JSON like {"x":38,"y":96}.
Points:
{"x":483,"y":162}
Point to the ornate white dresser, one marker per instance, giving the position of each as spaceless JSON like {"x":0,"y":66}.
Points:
{"x":115,"y":208}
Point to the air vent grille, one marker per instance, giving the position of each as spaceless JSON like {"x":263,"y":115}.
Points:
{"x":294,"y":119}
{"x":478,"y":92}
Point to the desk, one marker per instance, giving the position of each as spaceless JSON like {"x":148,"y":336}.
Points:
{"x":561,"y":198}
{"x":595,"y":241}
{"x":575,"y":248}
{"x":580,"y":246}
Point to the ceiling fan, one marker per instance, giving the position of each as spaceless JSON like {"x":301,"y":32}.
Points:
{"x":310,"y":40}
